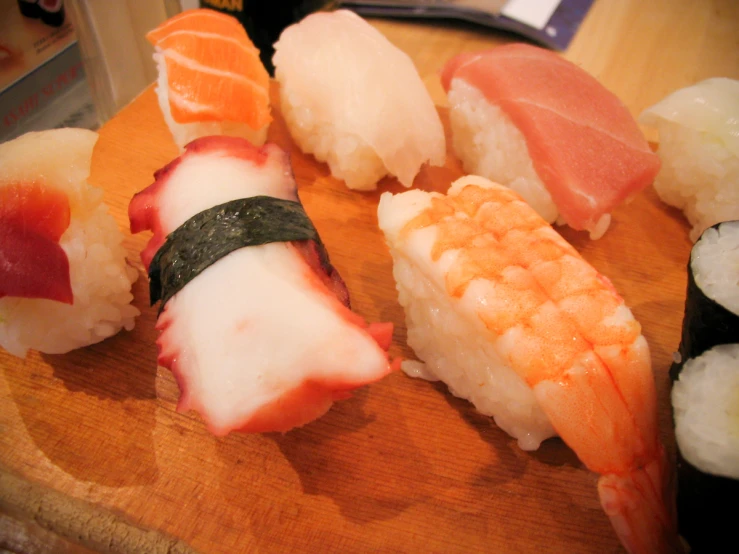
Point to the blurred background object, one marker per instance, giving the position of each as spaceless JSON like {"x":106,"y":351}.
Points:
{"x":42,"y":79}
{"x":550,"y":23}
{"x":73,"y":63}
{"x":116,"y":55}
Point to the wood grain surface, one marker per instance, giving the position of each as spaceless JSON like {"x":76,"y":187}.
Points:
{"x":92,"y":449}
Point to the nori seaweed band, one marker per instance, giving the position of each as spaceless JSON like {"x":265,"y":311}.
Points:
{"x":211,"y":234}
{"x":706,"y":322}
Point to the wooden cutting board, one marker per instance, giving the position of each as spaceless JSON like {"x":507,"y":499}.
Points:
{"x":402,"y":466}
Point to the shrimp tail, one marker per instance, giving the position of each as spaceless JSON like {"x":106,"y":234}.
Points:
{"x":639,"y":503}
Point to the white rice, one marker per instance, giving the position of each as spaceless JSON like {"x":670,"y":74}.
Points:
{"x":489,"y":144}
{"x":99,"y":274}
{"x":349,"y":157}
{"x":715,"y":265}
{"x":184,"y":133}
{"x":705,"y":400}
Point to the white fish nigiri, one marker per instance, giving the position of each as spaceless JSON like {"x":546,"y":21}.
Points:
{"x":354,"y":100}
{"x":533,"y":121}
{"x":263,"y":339}
{"x":699,"y":148}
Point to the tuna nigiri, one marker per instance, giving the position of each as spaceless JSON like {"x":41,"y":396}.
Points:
{"x":64,"y":279}
{"x":211,"y":80}
{"x":531,"y":120}
{"x":255,"y":324}
{"x":502,"y":309}
{"x":355,"y":101}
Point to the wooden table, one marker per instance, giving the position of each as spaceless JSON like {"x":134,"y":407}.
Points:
{"x":94,"y":457}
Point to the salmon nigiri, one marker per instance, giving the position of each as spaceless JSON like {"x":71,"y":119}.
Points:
{"x":255,"y":323}
{"x":537,"y":123}
{"x":211,"y":80}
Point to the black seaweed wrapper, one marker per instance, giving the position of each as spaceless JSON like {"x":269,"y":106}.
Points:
{"x":706,"y":324}
{"x":706,"y":504}
{"x":214,"y":233}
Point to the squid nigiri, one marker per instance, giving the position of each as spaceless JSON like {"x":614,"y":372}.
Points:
{"x":531,"y":120}
{"x":64,"y":279}
{"x":255,"y":323}
{"x":211,"y":80}
{"x":705,"y":392}
{"x":354,"y":100}
{"x":699,"y":147}
{"x":502,"y":309}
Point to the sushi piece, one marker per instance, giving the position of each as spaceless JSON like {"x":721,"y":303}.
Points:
{"x":355,"y":101}
{"x":705,"y":392}
{"x":64,"y":280}
{"x":699,"y":147}
{"x":506,"y":313}
{"x":705,"y":408}
{"x":211,"y":80}
{"x":712,"y":298}
{"x":531,"y":120}
{"x":255,"y":323}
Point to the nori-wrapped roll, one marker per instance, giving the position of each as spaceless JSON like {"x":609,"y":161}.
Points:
{"x":706,"y":385}
{"x":705,"y":401}
{"x":216,"y":232}
{"x":707,"y":510}
{"x":256,"y":325}
{"x":709,"y":319}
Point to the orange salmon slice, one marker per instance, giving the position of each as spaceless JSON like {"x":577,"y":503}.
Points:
{"x":213,"y":69}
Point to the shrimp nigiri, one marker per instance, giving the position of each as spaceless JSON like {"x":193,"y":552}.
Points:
{"x":508,"y":314}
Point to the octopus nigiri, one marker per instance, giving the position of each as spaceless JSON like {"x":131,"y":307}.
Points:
{"x":255,"y":322}
{"x":508,"y":314}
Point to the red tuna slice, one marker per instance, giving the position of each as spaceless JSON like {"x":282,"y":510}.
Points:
{"x":263,"y":339}
{"x":584,"y":143}
{"x":33,"y":217}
